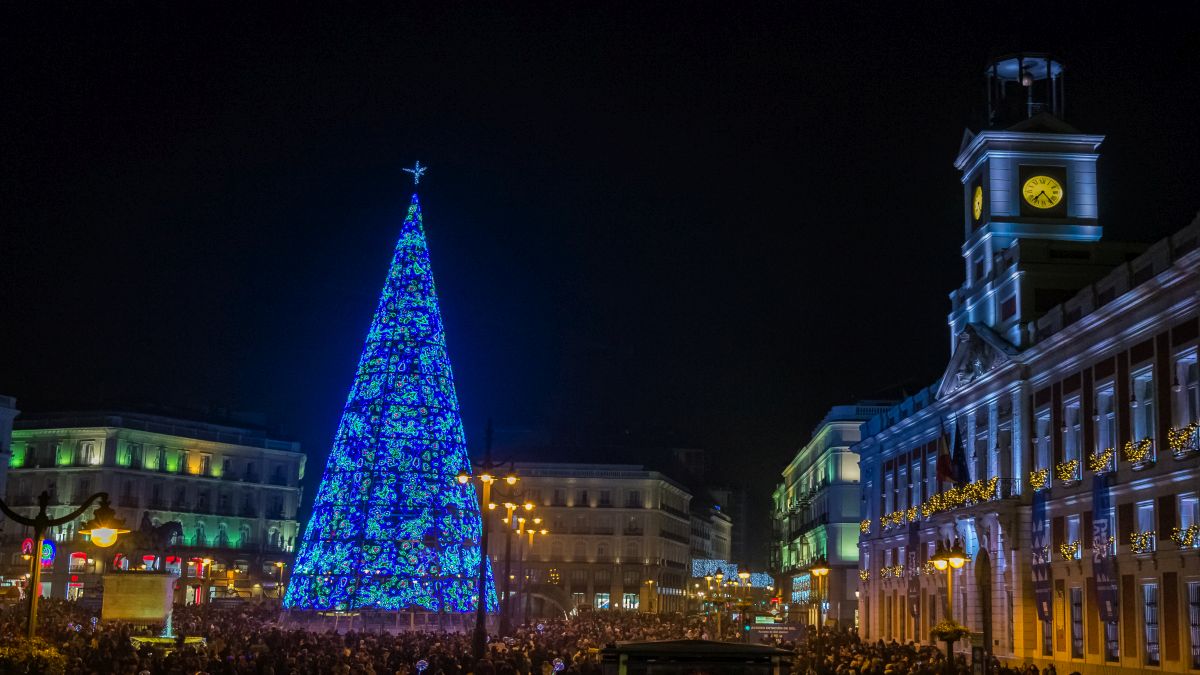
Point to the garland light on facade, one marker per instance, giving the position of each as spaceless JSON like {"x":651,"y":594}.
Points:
{"x":1138,"y":452}
{"x":1141,"y":542}
{"x":1186,"y":537}
{"x":1039,"y":479}
{"x":1067,"y":471}
{"x":1101,"y":461}
{"x":1182,"y":440}
{"x":865,"y":526}
{"x":1069,"y":550}
{"x":392,"y":528}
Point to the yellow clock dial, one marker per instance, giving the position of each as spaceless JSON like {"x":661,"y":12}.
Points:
{"x":1042,"y":192}
{"x":977,"y":202}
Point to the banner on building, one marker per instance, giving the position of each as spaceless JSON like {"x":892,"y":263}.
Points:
{"x":1040,"y":546}
{"x":1104,"y":564}
{"x":914,"y":571}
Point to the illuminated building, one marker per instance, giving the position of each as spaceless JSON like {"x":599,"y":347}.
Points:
{"x":611,"y":529}
{"x":234,"y":492}
{"x":1059,"y":446}
{"x":392,"y":527}
{"x":8,"y":412}
{"x":815,"y":515}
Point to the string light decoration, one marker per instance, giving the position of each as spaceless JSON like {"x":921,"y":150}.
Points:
{"x":1039,"y":479}
{"x":911,"y":513}
{"x":982,"y":490}
{"x":929,"y":568}
{"x":1183,"y":440}
{"x":893,"y":571}
{"x":1186,"y":537}
{"x":392,"y":528}
{"x":1068,"y":549}
{"x":864,"y":575}
{"x":1100,"y":462}
{"x":1138,"y":452}
{"x":1067,"y":471}
{"x":1141,"y":542}
{"x":893,"y":519}
{"x":865,"y":526}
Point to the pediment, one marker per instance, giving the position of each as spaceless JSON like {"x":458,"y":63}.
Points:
{"x":979,"y":351}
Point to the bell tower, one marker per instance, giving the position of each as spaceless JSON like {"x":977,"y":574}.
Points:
{"x":1029,"y":180}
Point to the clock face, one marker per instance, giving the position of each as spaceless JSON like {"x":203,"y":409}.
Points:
{"x":1042,"y":192}
{"x":977,"y":202}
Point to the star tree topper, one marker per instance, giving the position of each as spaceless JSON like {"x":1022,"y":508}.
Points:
{"x":417,"y":171}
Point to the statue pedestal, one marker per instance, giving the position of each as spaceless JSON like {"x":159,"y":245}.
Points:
{"x":138,"y":597}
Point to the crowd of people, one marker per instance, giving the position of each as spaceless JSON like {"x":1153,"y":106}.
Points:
{"x":254,"y":640}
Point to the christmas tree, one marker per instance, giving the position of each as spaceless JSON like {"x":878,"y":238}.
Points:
{"x":391,"y":527}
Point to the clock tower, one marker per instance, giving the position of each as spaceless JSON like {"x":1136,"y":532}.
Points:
{"x":1030,"y":217}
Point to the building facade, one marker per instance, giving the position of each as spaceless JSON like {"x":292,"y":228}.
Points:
{"x":816,"y":515}
{"x":619,"y":537}
{"x":1059,"y":446}
{"x":221,"y":501}
{"x":8,"y":413}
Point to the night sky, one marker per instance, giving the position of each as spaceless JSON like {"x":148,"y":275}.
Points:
{"x":649,"y":227}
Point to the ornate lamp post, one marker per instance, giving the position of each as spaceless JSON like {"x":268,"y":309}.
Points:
{"x":949,"y":560}
{"x":819,"y":569}
{"x":486,"y":477}
{"x":103,"y":529}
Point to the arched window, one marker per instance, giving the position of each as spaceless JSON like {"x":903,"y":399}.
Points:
{"x":601,"y":550}
{"x":222,"y":536}
{"x":632,"y":551}
{"x":200,"y":539}
{"x":556,"y":550}
{"x":580,"y":550}
{"x":245,"y":538}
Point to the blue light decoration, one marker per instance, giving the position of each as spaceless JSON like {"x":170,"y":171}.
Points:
{"x":392,"y":528}
{"x":708,"y":567}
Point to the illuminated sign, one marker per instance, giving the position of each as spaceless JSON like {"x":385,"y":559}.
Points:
{"x":48,"y":550}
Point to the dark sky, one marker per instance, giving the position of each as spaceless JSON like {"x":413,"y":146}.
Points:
{"x":691,"y":224}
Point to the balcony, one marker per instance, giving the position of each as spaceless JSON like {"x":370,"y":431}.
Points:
{"x":275,"y":514}
{"x":248,"y":512}
{"x":674,"y":537}
{"x":127,"y":501}
{"x":279,"y":479}
{"x":633,"y":531}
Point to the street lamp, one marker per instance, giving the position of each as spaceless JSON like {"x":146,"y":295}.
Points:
{"x":486,"y":477}
{"x":948,"y":560}
{"x":819,"y":569}
{"x":103,"y":529}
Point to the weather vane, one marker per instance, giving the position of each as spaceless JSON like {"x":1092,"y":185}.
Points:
{"x":417,"y":171}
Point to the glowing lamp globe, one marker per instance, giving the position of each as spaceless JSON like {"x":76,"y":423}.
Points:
{"x":510,"y":479}
{"x":940,"y":563}
{"x":104,"y":527}
{"x":104,"y":536}
{"x":463,"y":478}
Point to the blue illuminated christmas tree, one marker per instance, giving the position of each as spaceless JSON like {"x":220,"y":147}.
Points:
{"x":391,"y":527}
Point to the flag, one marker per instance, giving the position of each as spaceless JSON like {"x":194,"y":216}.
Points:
{"x":959,"y":473}
{"x":945,"y":471}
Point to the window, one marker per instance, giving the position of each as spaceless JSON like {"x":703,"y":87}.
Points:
{"x":1105,"y":420}
{"x":1189,"y":511}
{"x":1142,"y":403}
{"x":78,"y":563}
{"x":1150,"y":622}
{"x":560,"y":497}
{"x":630,"y":601}
{"x":606,"y":498}
{"x":1076,"y":622}
{"x":1193,"y":589}
{"x":601,"y":601}
{"x":633,"y":499}
{"x":931,"y":486}
{"x":1042,"y":439}
{"x":1074,"y":535}
{"x":577,"y":599}
{"x":580,"y":552}
{"x":581,"y":498}
{"x":1072,"y":436}
{"x":135,"y":455}
{"x":1008,"y":308}
{"x":1112,"y":642}
{"x":889,"y":493}
{"x":1047,"y":644}
{"x":1145,"y":521}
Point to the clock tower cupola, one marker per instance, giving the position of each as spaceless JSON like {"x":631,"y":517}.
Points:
{"x":1029,"y":190}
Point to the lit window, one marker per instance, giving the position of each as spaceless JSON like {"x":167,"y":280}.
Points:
{"x":1150,"y":622}
{"x":601,"y":601}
